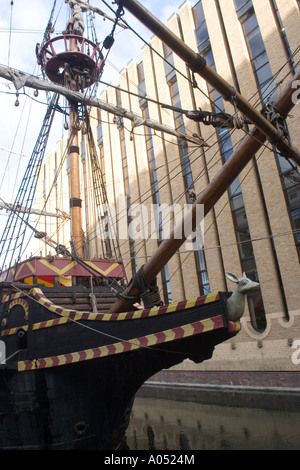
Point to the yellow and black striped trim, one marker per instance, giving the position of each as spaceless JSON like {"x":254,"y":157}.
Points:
{"x":67,"y":315}
{"x":173,"y":334}
{"x":76,"y":315}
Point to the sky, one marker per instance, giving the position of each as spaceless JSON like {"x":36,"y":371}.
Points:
{"x":22,"y":25}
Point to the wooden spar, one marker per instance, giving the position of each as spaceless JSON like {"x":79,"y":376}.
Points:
{"x":20,"y":79}
{"x":209,"y":197}
{"x":11,"y":207}
{"x":75,"y":200}
{"x":198,"y":65}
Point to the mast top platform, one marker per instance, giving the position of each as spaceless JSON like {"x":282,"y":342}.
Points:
{"x":85,"y":63}
{"x":70,"y":57}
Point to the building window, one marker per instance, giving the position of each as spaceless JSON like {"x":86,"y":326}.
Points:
{"x":182,"y":145}
{"x":165,"y":278}
{"x":68,"y":164}
{"x":281,"y":30}
{"x":170,"y":71}
{"x":44,"y":183}
{"x":260,"y":62}
{"x":291,"y":185}
{"x":239,"y":216}
{"x":202,"y":272}
{"x":55,"y":176}
{"x":132,"y":247}
{"x":266,"y":83}
{"x":243,"y":7}
{"x":100,"y":133}
{"x":102,"y":164}
{"x":141,"y":84}
{"x":201,"y":31}
{"x":171,"y":79}
{"x":82,"y":151}
{"x":101,"y":146}
{"x":256,"y":49}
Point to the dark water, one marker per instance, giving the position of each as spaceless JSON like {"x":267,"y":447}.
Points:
{"x":175,"y":425}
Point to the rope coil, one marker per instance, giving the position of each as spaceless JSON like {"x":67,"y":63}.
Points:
{"x":274,"y":116}
{"x":149,"y":292}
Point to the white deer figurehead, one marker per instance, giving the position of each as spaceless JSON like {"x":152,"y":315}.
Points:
{"x":236,"y":302}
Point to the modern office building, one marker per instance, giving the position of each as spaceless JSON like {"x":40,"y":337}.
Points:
{"x":255,"y":226}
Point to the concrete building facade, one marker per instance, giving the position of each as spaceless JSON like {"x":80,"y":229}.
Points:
{"x":255,"y":226}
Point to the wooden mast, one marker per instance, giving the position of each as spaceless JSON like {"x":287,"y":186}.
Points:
{"x":232,"y":168}
{"x":75,"y":199}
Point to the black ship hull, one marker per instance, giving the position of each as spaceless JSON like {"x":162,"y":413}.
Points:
{"x":70,"y":377}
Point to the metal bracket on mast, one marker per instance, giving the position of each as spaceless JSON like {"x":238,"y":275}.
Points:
{"x":199,"y":64}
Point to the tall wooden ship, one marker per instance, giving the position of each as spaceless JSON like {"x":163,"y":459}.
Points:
{"x":73,"y":356}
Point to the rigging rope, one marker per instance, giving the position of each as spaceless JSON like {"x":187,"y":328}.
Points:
{"x":124,"y":90}
{"x":10,"y":30}
{"x":13,"y":234}
{"x":50,"y":27}
{"x":204,"y":122}
{"x":62,"y":250}
{"x":98,"y":181}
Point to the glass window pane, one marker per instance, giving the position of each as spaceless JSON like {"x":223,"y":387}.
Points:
{"x":204,"y":278}
{"x":293,"y":195}
{"x":255,"y":42}
{"x":237,"y":202}
{"x":235,"y":188}
{"x":240,"y":217}
{"x":256,"y":310}
{"x":201,"y":260}
{"x":202,"y":39}
{"x":260,"y":60}
{"x":295,"y":214}
{"x":285,"y":165}
{"x":210,"y":59}
{"x":100,"y":133}
{"x":242,"y":6}
{"x":264,"y":74}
